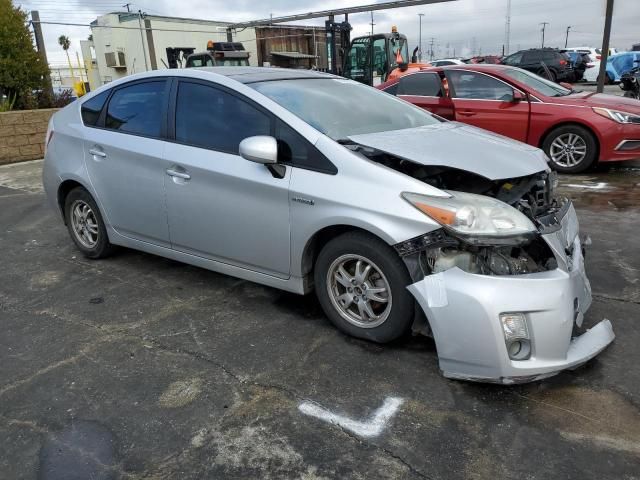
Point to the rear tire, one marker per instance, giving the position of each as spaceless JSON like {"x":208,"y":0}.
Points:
{"x":85,"y":224}
{"x":571,"y":148}
{"x":357,"y":269}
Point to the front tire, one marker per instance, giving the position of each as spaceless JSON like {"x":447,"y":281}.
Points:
{"x":572,"y":149}
{"x":85,"y":224}
{"x":361,"y":285}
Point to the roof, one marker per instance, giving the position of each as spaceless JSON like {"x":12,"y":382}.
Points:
{"x":292,"y":55}
{"x":264,"y":74}
{"x":132,"y":16}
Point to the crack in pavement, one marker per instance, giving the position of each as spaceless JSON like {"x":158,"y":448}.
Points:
{"x":107,"y":335}
{"x":615,"y":299}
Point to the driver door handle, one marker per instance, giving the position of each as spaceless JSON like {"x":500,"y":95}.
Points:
{"x":174,"y":173}
{"x":97,"y":153}
{"x":467,"y":113}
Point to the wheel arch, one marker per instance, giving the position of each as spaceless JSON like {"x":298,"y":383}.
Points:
{"x":323,"y":236}
{"x":570,"y":123}
{"x":63,"y":190}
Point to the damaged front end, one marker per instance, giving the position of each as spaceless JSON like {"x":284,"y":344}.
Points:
{"x":502,"y":282}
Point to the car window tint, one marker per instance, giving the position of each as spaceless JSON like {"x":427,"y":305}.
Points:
{"x":392,"y":89}
{"x":91,"y":108}
{"x":137,"y":109}
{"x":293,"y":148}
{"x":195,"y":62}
{"x":212,"y":118}
{"x":423,"y":84}
{"x":208,"y":61}
{"x":548,"y":56}
{"x":514,"y":59}
{"x":532,"y":57}
{"x":478,"y":86}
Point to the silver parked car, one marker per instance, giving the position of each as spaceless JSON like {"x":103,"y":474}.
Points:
{"x":298,"y":180}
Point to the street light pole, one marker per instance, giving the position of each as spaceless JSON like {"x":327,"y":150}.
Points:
{"x":566,"y":39}
{"x":420,"y":15}
{"x":544,"y":26}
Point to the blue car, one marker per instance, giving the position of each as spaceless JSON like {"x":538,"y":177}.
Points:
{"x":621,"y":63}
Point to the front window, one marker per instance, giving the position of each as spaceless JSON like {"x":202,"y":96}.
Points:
{"x":340,"y":108}
{"x":478,"y":86}
{"x":537,"y":83}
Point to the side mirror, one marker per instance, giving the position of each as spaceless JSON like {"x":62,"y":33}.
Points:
{"x":263,"y":149}
{"x":260,"y":149}
{"x":518,"y":96}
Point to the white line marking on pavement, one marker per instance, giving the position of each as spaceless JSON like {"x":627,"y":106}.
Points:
{"x":369,"y":428}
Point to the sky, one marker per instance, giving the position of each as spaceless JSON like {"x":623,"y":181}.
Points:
{"x":460,"y":27}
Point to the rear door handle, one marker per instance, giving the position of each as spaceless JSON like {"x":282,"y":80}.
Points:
{"x":97,"y":153}
{"x":467,"y":113}
{"x":174,"y":173}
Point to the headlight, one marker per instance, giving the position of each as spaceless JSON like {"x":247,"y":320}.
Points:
{"x":617,"y":116}
{"x":472,"y":215}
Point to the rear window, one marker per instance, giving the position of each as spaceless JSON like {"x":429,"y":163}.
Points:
{"x":91,"y":109}
{"x":137,"y":109}
{"x":420,"y":84}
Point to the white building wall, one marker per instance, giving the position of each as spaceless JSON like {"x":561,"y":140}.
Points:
{"x":167,"y":32}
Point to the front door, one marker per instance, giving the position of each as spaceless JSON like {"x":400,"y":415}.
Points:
{"x":486,"y":102}
{"x":221,"y":206}
{"x":124,"y":160}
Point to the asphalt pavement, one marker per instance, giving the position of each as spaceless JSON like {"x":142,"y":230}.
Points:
{"x":138,"y":367}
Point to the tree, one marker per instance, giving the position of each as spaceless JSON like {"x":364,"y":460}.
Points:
{"x":22,"y":70}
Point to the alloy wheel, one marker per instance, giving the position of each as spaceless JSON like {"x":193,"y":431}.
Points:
{"x":568,"y":150}
{"x":359,"y":291}
{"x":84,"y":224}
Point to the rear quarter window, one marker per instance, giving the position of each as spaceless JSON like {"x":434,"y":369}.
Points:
{"x":91,"y":109}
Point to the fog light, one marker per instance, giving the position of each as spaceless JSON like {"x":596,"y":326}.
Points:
{"x":516,"y":335}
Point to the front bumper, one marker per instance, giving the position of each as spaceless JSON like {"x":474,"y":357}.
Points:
{"x":463,"y":310}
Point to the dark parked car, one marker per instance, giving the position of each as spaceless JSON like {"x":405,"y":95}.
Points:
{"x":539,"y":60}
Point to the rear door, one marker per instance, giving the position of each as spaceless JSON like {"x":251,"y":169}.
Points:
{"x":221,"y":206}
{"x":484,"y":101}
{"x":124,"y":159}
{"x":425,"y":90}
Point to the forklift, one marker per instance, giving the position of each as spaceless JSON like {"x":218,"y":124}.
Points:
{"x":368,"y":59}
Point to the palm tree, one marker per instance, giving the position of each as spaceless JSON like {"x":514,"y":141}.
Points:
{"x":65,"y":43}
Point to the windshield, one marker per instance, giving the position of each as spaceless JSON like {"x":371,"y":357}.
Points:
{"x":232,"y":62}
{"x":340,"y":108}
{"x":537,"y":83}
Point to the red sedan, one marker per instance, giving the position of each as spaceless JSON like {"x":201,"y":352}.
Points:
{"x":576,"y":129}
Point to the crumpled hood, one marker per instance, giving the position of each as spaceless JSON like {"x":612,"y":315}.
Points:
{"x":453,"y":144}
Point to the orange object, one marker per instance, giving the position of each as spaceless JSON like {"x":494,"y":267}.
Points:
{"x":411,"y":68}
{"x":441,"y":215}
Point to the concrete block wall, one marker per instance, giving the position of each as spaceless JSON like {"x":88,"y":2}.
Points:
{"x":22,"y":134}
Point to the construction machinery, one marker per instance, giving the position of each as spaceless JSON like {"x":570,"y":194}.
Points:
{"x":372,"y":58}
{"x":218,"y":54}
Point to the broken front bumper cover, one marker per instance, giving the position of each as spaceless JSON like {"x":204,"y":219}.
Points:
{"x":464,"y":310}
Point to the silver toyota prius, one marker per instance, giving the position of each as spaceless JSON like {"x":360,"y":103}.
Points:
{"x":400,"y":221}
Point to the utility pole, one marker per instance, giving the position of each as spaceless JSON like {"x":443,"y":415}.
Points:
{"x":372,"y":24}
{"x":507,"y":29}
{"x":127,"y":6}
{"x":566,"y":38}
{"x":431,"y":48}
{"x":420,"y":15}
{"x":37,"y":33}
{"x":605,"y":46}
{"x":144,"y":49}
{"x":544,"y":26}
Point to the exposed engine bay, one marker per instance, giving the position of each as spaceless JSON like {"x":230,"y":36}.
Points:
{"x":439,"y":251}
